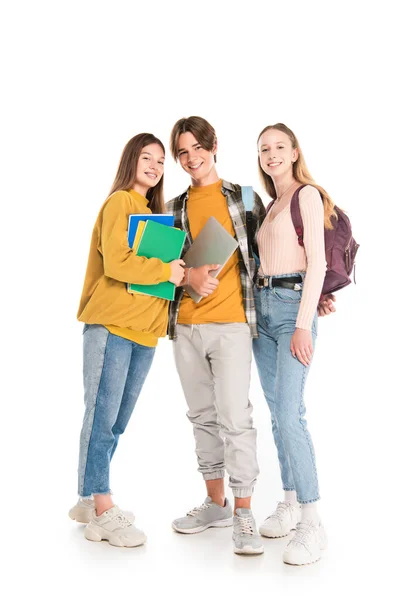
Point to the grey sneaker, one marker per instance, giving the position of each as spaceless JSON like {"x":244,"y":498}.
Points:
{"x":207,"y":515}
{"x":114,"y":527}
{"x":82,"y":511}
{"x":246,"y":539}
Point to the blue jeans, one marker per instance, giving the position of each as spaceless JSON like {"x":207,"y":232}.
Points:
{"x":283,"y":379}
{"x":114,"y":371}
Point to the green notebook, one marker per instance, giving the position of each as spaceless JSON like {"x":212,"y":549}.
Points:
{"x":163,"y":242}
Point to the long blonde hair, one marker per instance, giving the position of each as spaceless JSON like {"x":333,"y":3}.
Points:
{"x":126,"y":173}
{"x":300,"y":173}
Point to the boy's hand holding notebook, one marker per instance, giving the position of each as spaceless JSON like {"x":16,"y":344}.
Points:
{"x":213,"y":245}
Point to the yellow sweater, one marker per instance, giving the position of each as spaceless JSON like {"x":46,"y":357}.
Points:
{"x":225,"y":305}
{"x":111,"y":264}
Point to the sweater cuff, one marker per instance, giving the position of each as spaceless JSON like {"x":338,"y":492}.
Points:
{"x":167,"y":271}
{"x":302,"y":324}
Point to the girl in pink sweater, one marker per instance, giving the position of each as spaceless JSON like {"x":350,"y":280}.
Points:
{"x":287,"y":291}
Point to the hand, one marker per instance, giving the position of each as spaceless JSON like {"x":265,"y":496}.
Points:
{"x":301,"y":346}
{"x":202,"y":282}
{"x":177,"y":271}
{"x":326,"y":306}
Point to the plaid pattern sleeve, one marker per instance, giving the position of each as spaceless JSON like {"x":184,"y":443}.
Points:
{"x":247,"y":265}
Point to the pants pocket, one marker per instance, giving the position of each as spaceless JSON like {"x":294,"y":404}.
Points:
{"x":287,"y":295}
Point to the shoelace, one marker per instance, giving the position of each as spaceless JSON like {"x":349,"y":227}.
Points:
{"x":122,"y":520}
{"x":198,"y":509}
{"x":303,"y":532}
{"x":246,"y":525}
{"x":280,"y":511}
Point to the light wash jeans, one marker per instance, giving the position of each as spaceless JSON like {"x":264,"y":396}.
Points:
{"x":283,"y":379}
{"x":114,"y":371}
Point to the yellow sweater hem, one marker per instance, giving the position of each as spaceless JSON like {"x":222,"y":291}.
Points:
{"x":144,"y":338}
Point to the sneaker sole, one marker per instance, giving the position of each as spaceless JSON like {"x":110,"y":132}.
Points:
{"x":249,"y":550}
{"x":301,"y":564}
{"x":95,"y":534}
{"x":223,"y":523}
{"x":309,"y":562}
{"x":274,"y":535}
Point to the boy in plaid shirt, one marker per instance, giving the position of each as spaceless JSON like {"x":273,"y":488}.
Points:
{"x":212,"y":341}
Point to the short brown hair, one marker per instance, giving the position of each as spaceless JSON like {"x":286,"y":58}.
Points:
{"x":199,"y":128}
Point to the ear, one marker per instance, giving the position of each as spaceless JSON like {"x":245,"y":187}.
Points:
{"x":215,"y":147}
{"x":295,"y":155}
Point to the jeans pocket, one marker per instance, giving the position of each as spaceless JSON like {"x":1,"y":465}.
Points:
{"x":287,"y":295}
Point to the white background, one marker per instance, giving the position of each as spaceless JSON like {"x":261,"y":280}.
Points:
{"x":79,"y":80}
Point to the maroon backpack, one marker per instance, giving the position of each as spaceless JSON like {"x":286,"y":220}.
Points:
{"x":340,"y":246}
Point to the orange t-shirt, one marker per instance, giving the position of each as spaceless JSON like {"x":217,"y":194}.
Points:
{"x":225,"y":305}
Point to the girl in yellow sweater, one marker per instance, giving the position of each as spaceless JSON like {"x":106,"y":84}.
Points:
{"x":120,"y":334}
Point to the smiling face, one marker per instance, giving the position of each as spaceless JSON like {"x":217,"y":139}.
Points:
{"x":276,"y":154}
{"x":197,"y":161}
{"x":149,"y":168}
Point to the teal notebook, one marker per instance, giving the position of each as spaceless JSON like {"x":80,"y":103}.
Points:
{"x":163,"y":242}
{"x":165,"y":218}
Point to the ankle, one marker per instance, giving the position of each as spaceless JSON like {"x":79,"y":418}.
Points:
{"x":218,"y":499}
{"x":291,"y":497}
{"x":242,"y":503}
{"x":216,"y":491}
{"x":102,"y":502}
{"x":309,"y":512}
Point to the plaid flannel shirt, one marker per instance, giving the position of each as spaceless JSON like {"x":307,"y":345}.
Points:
{"x":247,"y":265}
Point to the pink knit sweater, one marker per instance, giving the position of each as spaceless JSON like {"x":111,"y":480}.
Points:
{"x":281,"y":254}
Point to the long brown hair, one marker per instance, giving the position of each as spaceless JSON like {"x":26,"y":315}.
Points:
{"x":126,"y":173}
{"x":199,"y":128}
{"x":300,"y":173}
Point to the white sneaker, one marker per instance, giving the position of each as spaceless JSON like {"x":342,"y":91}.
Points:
{"x":82,"y":511}
{"x":282,"y":521}
{"x":307,"y":544}
{"x":114,"y":527}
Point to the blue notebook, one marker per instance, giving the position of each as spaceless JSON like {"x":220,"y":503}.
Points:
{"x":134,"y":220}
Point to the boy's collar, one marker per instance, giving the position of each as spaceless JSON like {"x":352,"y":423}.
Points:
{"x":225,"y":185}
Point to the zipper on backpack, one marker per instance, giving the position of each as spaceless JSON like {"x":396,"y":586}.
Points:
{"x":347,"y":255}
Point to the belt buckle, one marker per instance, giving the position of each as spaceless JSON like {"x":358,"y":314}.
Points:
{"x":264,"y":283}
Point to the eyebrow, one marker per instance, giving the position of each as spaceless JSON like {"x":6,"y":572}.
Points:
{"x":150,"y":154}
{"x":193,"y":145}
{"x":270,"y":144}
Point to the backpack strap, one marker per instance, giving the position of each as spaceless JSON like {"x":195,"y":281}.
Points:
{"x":248,"y":201}
{"x":248,"y":197}
{"x":296,"y":215}
{"x":270,"y":205}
